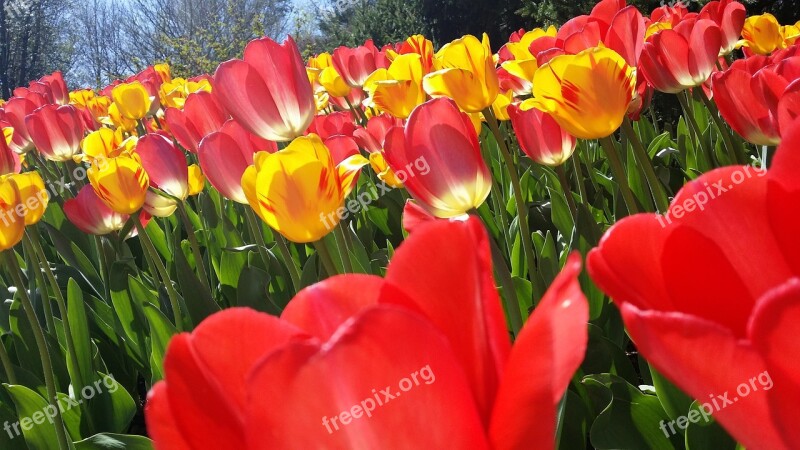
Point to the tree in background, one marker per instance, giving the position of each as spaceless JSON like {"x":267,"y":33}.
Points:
{"x":32,"y":43}
{"x":351,"y":22}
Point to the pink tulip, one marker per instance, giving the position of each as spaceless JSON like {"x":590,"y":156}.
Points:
{"x":729,"y":15}
{"x":166,"y":166}
{"x":201,"y":115}
{"x":356,"y":64}
{"x":540,"y":136}
{"x":56,"y":131}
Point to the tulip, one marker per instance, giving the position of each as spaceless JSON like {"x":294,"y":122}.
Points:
{"x":173,"y":93}
{"x":167,"y":170}
{"x":12,"y":227}
{"x":15,"y":111}
{"x":201,"y":115}
{"x":104,"y":143}
{"x":748,"y":98}
{"x":398,"y":89}
{"x":441,"y":139}
{"x":465,"y":72}
{"x":372,"y":137}
{"x":336,"y":123}
{"x":333,"y":83}
{"x":683,"y":57}
{"x":56,"y":131}
{"x":356,"y":64}
{"x":298,"y":190}
{"x":58,"y":87}
{"x":132,"y":99}
{"x":588,"y":94}
{"x":121,"y":183}
{"x":385,"y":173}
{"x":501,"y":104}
{"x":540,"y":136}
{"x":475,"y":390}
{"x":9,"y":161}
{"x":268,"y":92}
{"x":689,"y":321}
{"x":91,"y":214}
{"x":789,"y":106}
{"x":762,"y":34}
{"x":197,"y":181}
{"x":33,"y":196}
{"x":729,"y":15}
{"x":418,"y":45}
{"x":226,"y":154}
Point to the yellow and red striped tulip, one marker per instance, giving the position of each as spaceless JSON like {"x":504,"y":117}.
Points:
{"x":121,"y":183}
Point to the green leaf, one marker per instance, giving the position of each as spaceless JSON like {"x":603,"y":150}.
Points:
{"x":108,"y":441}
{"x":79,"y":327}
{"x":674,"y":401}
{"x":33,"y":411}
{"x":198,"y":300}
{"x":161,"y":331}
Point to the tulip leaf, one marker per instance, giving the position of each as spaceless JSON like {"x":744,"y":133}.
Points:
{"x":197,"y":298}
{"x":161,"y":330}
{"x":704,"y":433}
{"x":127,"y":310}
{"x":674,"y":401}
{"x":109,"y":441}
{"x":253,"y":291}
{"x":39,"y":432}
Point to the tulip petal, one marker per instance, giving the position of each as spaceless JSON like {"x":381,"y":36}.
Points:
{"x":332,"y":392}
{"x":783,"y":189}
{"x":423,"y":268}
{"x":161,"y":425}
{"x":547,"y":352}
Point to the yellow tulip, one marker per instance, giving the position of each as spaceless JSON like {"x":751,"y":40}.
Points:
{"x":587,"y":94}
{"x":791,"y":34}
{"x":163,"y":72}
{"x":762,"y":34}
{"x":465,"y":72}
{"x":655,"y":27}
{"x":330,"y":79}
{"x":298,"y":191}
{"x":121,"y":183}
{"x":398,"y":89}
{"x":382,"y":169}
{"x":197,"y":180}
{"x":11,"y":227}
{"x":117,"y":120}
{"x":501,"y":104}
{"x":520,"y":49}
{"x":8,"y":134}
{"x":33,"y":196}
{"x":321,"y":61}
{"x":132,"y":100}
{"x":173,"y":93}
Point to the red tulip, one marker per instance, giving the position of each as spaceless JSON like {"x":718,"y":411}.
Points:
{"x":671,"y":14}
{"x":540,"y":136}
{"x":729,"y":15}
{"x":58,"y":87}
{"x":9,"y":160}
{"x":332,"y":361}
{"x":372,"y":137}
{"x":789,"y":106}
{"x":224,"y":155}
{"x":440,"y":156}
{"x":166,"y":166}
{"x":337,"y":123}
{"x":356,"y":64}
{"x":56,"y":131}
{"x":748,"y":96}
{"x":15,"y":110}
{"x":696,"y":299}
{"x":268,"y":92}
{"x":91,"y":215}
{"x":676,"y":59}
{"x":201,"y":115}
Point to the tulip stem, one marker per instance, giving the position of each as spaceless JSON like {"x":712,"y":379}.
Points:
{"x":576,"y":164}
{"x":294,"y":273}
{"x":325,"y":257}
{"x":735,"y":153}
{"x":34,"y":246}
{"x":44,"y":354}
{"x":639,"y":152}
{"x":564,"y":181}
{"x":689,"y":114}
{"x":190,"y":232}
{"x":524,"y":229}
{"x":160,"y":269}
{"x":344,"y":250}
{"x":357,"y":113}
{"x":510,"y":293}
{"x":619,"y":173}
{"x":7,"y":366}
{"x":37,"y":274}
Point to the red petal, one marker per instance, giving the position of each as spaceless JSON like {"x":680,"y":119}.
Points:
{"x":161,"y":426}
{"x":544,"y":358}
{"x":298,"y":395}
{"x":446,"y":273}
{"x":783,"y":195}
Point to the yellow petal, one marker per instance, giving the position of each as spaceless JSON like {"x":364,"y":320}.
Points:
{"x":197,"y":180}
{"x":12,"y":226}
{"x":330,"y":79}
{"x":132,"y":100}
{"x":120,"y":182}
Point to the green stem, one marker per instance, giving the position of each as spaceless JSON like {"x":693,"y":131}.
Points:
{"x":325,"y":257}
{"x":162,"y":271}
{"x":81,"y":379}
{"x":41,"y":344}
{"x":195,"y":246}
{"x":689,"y":114}
{"x":294,"y":272}
{"x":524,"y":229}
{"x":576,"y":165}
{"x":37,"y":274}
{"x":98,"y":241}
{"x":344,"y":251}
{"x":258,"y":235}
{"x":7,"y":366}
{"x":656,"y":188}
{"x":564,"y":181}
{"x":735,"y":152}
{"x":619,"y":173}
